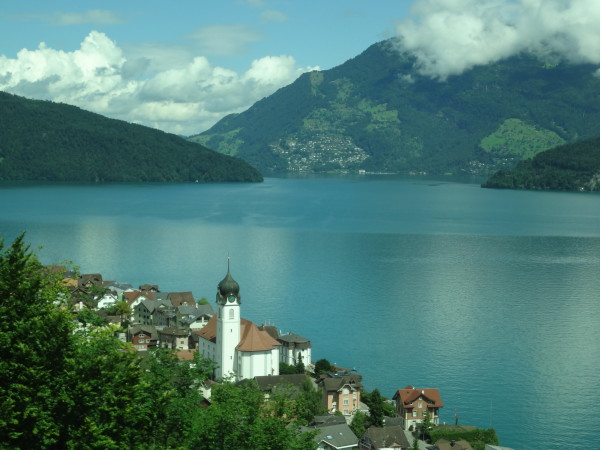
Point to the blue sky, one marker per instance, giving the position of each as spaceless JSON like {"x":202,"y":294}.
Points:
{"x":183,"y":65}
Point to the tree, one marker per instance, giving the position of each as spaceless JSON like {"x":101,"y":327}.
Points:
{"x":36,"y":343}
{"x":322,"y":366}
{"x":299,"y":365}
{"x":237,"y":418}
{"x":376,"y":409}
{"x":359,"y":423}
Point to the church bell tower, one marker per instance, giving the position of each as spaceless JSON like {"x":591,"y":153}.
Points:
{"x":228,"y":325}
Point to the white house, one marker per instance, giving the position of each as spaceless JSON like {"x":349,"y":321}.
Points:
{"x":238,"y":347}
{"x":294,"y":349}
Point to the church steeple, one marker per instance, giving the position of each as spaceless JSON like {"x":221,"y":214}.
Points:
{"x":228,"y":324}
{"x":228,"y":290}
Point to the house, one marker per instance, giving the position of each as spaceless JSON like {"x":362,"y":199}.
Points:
{"x":294,"y":349}
{"x":134,"y":298}
{"x":193,"y":317}
{"x":143,"y":337}
{"x":143,"y":312}
{"x":390,"y":437}
{"x":237,"y":346}
{"x":110,"y":298}
{"x":341,"y":393}
{"x":181,"y":298}
{"x":413,"y":405}
{"x":90,"y":280}
{"x":149,"y":288}
{"x":338,"y":436}
{"x":173,"y":338}
{"x":118,"y":288}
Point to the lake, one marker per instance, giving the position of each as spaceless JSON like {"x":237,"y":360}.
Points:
{"x":491,"y":296}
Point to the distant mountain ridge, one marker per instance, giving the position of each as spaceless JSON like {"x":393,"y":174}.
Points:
{"x":45,"y":141}
{"x":376,"y":113}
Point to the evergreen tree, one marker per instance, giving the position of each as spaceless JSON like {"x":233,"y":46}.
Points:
{"x":36,"y":343}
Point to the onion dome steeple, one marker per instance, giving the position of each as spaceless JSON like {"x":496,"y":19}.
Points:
{"x":228,"y":287}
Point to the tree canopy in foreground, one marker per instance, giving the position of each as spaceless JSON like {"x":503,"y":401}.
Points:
{"x":68,"y":387}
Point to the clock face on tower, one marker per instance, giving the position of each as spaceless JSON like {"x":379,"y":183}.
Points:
{"x":231,"y":298}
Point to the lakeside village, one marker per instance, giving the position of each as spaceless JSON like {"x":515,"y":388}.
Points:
{"x":241,"y":350}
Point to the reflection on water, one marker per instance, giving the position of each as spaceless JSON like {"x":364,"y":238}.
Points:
{"x":491,"y":296}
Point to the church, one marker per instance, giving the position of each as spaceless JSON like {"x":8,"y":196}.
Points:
{"x":238,"y":347}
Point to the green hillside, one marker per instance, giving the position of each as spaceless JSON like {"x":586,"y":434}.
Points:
{"x":573,"y":167}
{"x":41,"y":140}
{"x":376,"y":113}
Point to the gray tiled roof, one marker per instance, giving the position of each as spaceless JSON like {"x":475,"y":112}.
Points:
{"x":337,"y":436}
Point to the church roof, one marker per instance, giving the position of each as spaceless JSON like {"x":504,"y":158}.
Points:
{"x":209,"y":331}
{"x":251,"y":338}
{"x":254,"y":340}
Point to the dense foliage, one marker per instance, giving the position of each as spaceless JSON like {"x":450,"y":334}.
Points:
{"x":63,"y":386}
{"x":574,"y":167}
{"x":41,"y":140}
{"x":375,"y":112}
{"x":475,"y":436}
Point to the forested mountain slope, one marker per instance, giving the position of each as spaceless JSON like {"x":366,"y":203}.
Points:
{"x":573,"y":167}
{"x":377,"y":113}
{"x":41,"y":140}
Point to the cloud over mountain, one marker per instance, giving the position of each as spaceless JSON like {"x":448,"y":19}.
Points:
{"x":169,"y":89}
{"x":451,"y":36}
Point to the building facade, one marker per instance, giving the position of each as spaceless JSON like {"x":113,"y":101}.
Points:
{"x":238,"y":347}
{"x":413,"y":405}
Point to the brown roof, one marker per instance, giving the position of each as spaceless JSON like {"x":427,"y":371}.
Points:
{"x":130,"y":296}
{"x":181,"y":298}
{"x":254,"y":340}
{"x":209,"y":331}
{"x":410,"y":394}
{"x":251,"y":338}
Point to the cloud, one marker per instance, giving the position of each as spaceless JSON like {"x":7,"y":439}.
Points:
{"x":186,"y":96}
{"x":273,"y":16}
{"x":451,"y":36}
{"x":224,"y":39}
{"x":93,"y":17}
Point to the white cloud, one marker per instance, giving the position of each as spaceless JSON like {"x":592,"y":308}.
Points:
{"x":186,"y":98}
{"x":94,"y":17}
{"x":273,"y":16}
{"x":450,"y":36}
{"x":224,"y":39}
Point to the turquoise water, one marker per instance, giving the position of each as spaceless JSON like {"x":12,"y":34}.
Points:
{"x":491,"y":296}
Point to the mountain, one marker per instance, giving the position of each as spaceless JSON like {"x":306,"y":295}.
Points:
{"x":572,"y":167}
{"x":41,"y":140}
{"x":376,"y":113}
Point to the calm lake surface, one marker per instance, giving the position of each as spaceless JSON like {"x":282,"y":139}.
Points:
{"x":491,"y":296}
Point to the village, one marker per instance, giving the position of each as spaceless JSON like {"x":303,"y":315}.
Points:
{"x":148,"y":318}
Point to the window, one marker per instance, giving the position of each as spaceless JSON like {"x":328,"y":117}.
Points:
{"x":414,"y":414}
{"x":346,"y":403}
{"x":231,"y":314}
{"x":420,"y":405}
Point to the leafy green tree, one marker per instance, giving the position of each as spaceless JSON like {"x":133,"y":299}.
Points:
{"x":286,"y":369}
{"x":102,"y":384}
{"x":36,"y":343}
{"x":376,"y":409}
{"x":359,"y":423}
{"x":238,"y":418}
{"x":322,"y":366}
{"x":310,"y":402}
